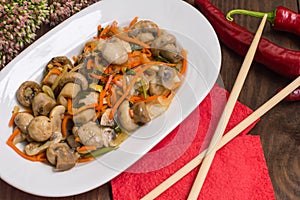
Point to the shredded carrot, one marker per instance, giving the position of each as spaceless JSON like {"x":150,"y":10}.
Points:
{"x":74,"y":58}
{"x":12,"y":119}
{"x":135,"y":99}
{"x":103,"y":92}
{"x":85,"y":107}
{"x":184,"y":62}
{"x":97,"y":76}
{"x":41,"y":157}
{"x":133,"y":22}
{"x":126,"y":38}
{"x":70,"y":111}
{"x":147,"y":52}
{"x":9,"y":142}
{"x":64,"y":124}
{"x":131,"y":114}
{"x":85,"y":149}
{"x":97,"y":115}
{"x":89,"y":64}
{"x":105,"y":31}
{"x":120,"y":100}
{"x":89,"y":46}
{"x":113,"y":96}
{"x":82,"y":160}
{"x":77,"y":139}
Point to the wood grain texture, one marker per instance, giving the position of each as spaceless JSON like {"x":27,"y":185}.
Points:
{"x":279,"y":129}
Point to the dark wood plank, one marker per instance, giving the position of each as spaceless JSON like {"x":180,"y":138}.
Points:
{"x":279,"y":129}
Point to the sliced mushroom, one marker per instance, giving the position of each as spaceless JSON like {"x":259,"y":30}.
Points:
{"x":56,"y":118}
{"x":144,"y":26}
{"x":35,"y":148}
{"x":61,"y":100}
{"x":70,"y":90}
{"x":124,"y":118}
{"x":114,"y":53}
{"x":51,"y":79}
{"x":165,"y":45}
{"x":27,"y":91}
{"x":105,"y":119}
{"x":141,"y":115}
{"x":40,"y":128}
{"x":22,"y":120}
{"x":156,"y":88}
{"x":84,"y":116}
{"x":172,"y":53}
{"x":20,"y":137}
{"x":42,"y":104}
{"x":62,"y":156}
{"x":71,"y":142}
{"x":74,"y":77}
{"x":167,"y":75}
{"x":90,"y":134}
{"x":62,"y":60}
{"x":108,"y":134}
{"x":90,"y":98}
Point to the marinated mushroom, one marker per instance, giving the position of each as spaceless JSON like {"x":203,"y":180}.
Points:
{"x":114,"y":53}
{"x":62,"y":60}
{"x":62,"y":156}
{"x":142,"y":27}
{"x":90,"y":134}
{"x":108,"y":135}
{"x":165,"y":45}
{"x":140,"y":113}
{"x":22,"y":120}
{"x":168,"y":77}
{"x":124,"y":118}
{"x":89,"y":98}
{"x":40,"y":128}
{"x":42,"y":104}
{"x":70,"y":90}
{"x":105,"y":119}
{"x":84,"y":116}
{"x":27,"y":91}
{"x":55,"y":116}
{"x":34,"y":148}
{"x":74,"y":77}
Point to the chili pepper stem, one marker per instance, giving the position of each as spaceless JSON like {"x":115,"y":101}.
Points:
{"x":270,"y":16}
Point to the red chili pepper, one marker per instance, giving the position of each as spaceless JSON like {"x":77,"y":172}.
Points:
{"x":283,"y":61}
{"x":282,"y":19}
{"x":294,"y":96}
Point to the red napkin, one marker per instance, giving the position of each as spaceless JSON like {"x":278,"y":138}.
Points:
{"x":238,"y":171}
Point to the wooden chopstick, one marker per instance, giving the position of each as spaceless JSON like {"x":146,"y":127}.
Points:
{"x":225,"y":139}
{"x":237,"y":87}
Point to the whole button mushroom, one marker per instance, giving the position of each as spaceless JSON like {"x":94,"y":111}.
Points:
{"x":114,"y":53}
{"x":22,"y":120}
{"x":40,"y":128}
{"x":42,"y":104}
{"x":27,"y":91}
{"x":62,"y":156}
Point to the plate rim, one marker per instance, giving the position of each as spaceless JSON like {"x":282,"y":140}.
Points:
{"x":52,"y":32}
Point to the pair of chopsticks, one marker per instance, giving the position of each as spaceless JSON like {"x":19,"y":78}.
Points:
{"x":218,"y":140}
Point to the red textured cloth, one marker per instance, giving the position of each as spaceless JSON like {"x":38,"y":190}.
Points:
{"x":238,"y":171}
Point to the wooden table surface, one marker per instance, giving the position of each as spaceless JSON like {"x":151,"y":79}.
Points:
{"x":279,"y":128}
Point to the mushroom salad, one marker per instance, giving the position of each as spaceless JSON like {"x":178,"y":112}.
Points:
{"x":123,"y":78}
